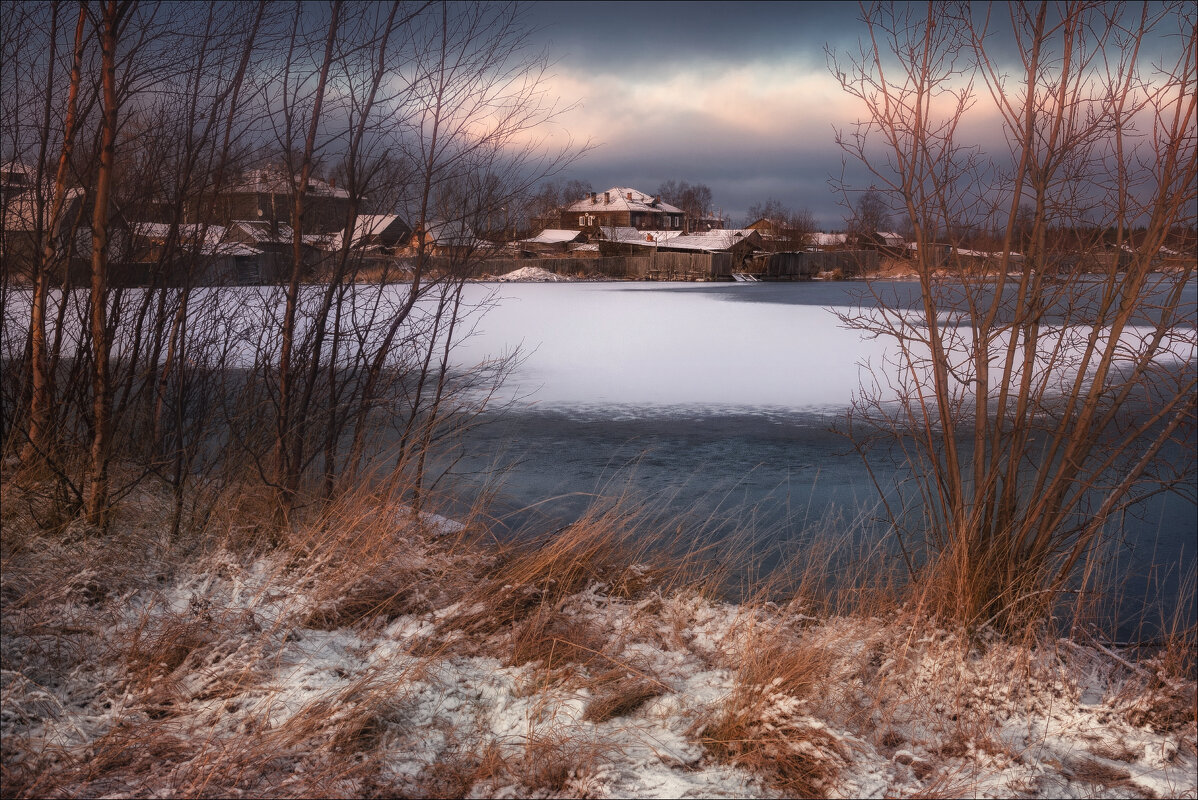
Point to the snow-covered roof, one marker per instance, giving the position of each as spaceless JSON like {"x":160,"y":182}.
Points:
{"x":188,"y":233}
{"x":20,"y":212}
{"x":321,"y":241}
{"x":821,"y":239}
{"x":18,"y":185}
{"x":207,"y":240}
{"x":553,"y":236}
{"x":259,"y":231}
{"x":367,"y":225}
{"x":450,"y":233}
{"x":710,"y":241}
{"x":622,"y":198}
{"x":620,"y":234}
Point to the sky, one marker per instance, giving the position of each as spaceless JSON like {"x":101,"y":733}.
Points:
{"x":737,"y":96}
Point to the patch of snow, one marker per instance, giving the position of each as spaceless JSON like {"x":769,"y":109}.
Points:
{"x":531,"y":275}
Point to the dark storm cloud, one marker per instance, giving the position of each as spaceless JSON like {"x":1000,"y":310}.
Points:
{"x":619,"y":37}
{"x":704,"y":92}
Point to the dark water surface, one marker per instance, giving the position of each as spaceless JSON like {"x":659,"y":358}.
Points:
{"x":702,"y":428}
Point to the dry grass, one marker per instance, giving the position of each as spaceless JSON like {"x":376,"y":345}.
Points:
{"x":765,"y":725}
{"x":458,"y":770}
{"x":366,"y":558}
{"x":621,"y":696}
{"x":553,"y":638}
{"x":606,"y":549}
{"x":202,"y":715}
{"x":550,"y":763}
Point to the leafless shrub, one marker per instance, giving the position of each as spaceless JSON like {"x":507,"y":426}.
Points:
{"x":1034,"y":392}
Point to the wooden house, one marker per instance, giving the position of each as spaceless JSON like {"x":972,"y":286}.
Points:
{"x":622,"y":207}
{"x":266,"y":194}
{"x":380,"y":232}
{"x":552,"y":241}
{"x":25,"y":223}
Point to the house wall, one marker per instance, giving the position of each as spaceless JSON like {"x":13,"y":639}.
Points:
{"x":642,"y":220}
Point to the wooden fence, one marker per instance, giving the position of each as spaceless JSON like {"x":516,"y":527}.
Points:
{"x":805,"y":265}
{"x":653,"y":266}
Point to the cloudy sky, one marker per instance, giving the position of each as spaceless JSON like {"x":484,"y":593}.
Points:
{"x":734,"y":95}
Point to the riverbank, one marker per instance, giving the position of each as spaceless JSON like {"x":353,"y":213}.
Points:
{"x":374,"y":651}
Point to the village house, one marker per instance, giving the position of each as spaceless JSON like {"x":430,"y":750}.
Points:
{"x":378,"y":232}
{"x":266,"y":194}
{"x":25,"y":222}
{"x":708,"y":223}
{"x":551,"y":241}
{"x":450,"y":238}
{"x":622,"y":207}
{"x":779,"y":235}
{"x":741,"y":244}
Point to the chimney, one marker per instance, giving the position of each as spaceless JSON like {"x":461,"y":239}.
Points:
{"x":630,"y":195}
{"x":607,"y":197}
{"x":656,"y":199}
{"x":594,"y":197}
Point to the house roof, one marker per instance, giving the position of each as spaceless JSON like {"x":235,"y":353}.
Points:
{"x":207,"y":240}
{"x":622,"y":198}
{"x":714,"y":241}
{"x":635,"y":235}
{"x":259,"y":231}
{"x":18,"y":184}
{"x":20,"y":213}
{"x":367,"y":225}
{"x":553,"y":236}
{"x":453,"y":233}
{"x":704,"y":241}
{"x":821,"y":239}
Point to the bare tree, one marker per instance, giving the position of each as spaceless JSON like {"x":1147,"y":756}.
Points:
{"x":694,"y":199}
{"x":423,"y":109}
{"x":784,"y":229}
{"x":1034,"y":391}
{"x":870,"y":216}
{"x":547,"y":202}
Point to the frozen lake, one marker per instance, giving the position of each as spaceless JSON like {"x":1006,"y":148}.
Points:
{"x":716,"y":400}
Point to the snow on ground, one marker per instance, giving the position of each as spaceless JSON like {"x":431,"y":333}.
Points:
{"x":230,"y":679}
{"x":532,"y":275}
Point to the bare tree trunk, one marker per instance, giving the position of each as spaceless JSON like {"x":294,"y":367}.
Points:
{"x":39,"y":445}
{"x":289,"y":449}
{"x":97,"y":495}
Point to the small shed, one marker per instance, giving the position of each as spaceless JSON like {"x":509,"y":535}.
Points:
{"x":381,"y":231}
{"x":553,"y":240}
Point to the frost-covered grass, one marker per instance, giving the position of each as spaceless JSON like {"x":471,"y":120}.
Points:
{"x":374,"y":652}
